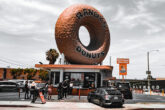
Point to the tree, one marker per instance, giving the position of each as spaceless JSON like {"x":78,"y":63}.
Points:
{"x":51,"y":56}
{"x":16,"y":72}
{"x":43,"y":75}
{"x":31,"y":72}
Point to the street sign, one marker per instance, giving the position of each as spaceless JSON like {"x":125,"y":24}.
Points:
{"x":123,"y":69}
{"x":122,"y":65}
{"x":122,"y":60}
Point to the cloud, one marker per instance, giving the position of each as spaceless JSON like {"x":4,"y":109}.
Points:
{"x":27,"y":31}
{"x":140,"y":16}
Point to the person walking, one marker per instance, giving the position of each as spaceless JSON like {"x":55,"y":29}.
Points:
{"x":46,"y":91}
{"x":70,"y":87}
{"x":49,"y":91}
{"x":26,"y":90}
{"x":34,"y":92}
{"x":65,"y":88}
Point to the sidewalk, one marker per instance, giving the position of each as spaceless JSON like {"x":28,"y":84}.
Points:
{"x":76,"y":105}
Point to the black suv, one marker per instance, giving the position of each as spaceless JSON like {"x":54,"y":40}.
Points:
{"x":124,"y":88}
{"x":106,"y":96}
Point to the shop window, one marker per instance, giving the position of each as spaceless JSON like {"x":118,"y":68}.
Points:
{"x":89,"y":80}
{"x":57,"y":78}
{"x":78,"y":79}
{"x":66,"y":76}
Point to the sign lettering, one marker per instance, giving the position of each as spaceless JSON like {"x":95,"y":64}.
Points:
{"x":89,"y":12}
{"x":89,"y":55}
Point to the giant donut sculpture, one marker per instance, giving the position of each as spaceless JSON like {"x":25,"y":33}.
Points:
{"x":67,"y":35}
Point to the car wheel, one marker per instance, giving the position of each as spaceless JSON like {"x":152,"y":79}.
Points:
{"x":89,"y":99}
{"x":120,"y":105}
{"x":101,"y":103}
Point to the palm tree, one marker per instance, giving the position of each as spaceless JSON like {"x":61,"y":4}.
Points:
{"x":51,"y":56}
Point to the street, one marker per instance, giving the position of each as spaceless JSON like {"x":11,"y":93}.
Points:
{"x":10,"y":100}
{"x":137,"y":98}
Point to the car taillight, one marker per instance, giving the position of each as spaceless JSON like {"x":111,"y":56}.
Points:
{"x":107,"y":97}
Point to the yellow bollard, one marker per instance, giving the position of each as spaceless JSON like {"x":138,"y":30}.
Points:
{"x":150,"y":91}
{"x":162,"y":92}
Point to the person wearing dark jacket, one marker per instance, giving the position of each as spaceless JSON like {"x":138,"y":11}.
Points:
{"x":34,"y":92}
{"x":65,"y":88}
{"x":26,"y":90}
{"x":60,"y":91}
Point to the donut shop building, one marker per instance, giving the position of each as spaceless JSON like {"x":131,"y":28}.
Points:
{"x":83,"y":68}
{"x":84,"y":77}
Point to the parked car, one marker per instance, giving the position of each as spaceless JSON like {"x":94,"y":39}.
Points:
{"x":106,"y":96}
{"x":124,"y":88}
{"x":8,"y":86}
{"x":21,"y":83}
{"x":40,"y":85}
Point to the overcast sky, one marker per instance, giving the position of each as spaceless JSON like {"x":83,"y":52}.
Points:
{"x":136,"y":26}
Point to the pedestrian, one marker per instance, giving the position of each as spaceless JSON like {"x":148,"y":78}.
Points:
{"x":46,"y":91}
{"x":70,"y":87}
{"x":64,"y":85}
{"x":49,"y":91}
{"x":26,"y":90}
{"x":34,"y":92}
{"x":60,"y":91}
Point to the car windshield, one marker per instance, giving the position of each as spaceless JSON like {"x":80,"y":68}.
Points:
{"x":40,"y":85}
{"x":113,"y":92}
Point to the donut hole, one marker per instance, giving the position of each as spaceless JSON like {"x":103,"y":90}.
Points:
{"x":84,"y":36}
{"x":96,"y":32}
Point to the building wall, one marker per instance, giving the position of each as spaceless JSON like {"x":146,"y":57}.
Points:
{"x":1,"y":73}
{"x":9,"y":76}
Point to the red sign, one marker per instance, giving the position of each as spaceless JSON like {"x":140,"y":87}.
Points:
{"x":122,"y":65}
{"x":42,"y":97}
{"x":122,"y":60}
{"x":123,"y":69}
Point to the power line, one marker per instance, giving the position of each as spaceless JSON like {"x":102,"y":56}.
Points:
{"x":9,"y":62}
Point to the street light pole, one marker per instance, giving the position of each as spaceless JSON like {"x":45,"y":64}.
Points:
{"x":149,"y":72}
{"x":148,"y":60}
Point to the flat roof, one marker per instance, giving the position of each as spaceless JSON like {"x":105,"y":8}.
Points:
{"x":48,"y":66}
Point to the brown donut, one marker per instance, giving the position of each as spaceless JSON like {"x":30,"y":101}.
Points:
{"x":67,"y":35}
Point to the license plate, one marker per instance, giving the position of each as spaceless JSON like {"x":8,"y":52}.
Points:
{"x":115,"y":97}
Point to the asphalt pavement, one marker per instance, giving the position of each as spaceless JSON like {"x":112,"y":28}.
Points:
{"x":137,"y":98}
{"x":11,"y":100}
